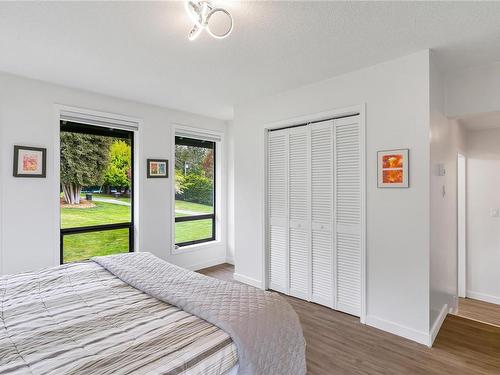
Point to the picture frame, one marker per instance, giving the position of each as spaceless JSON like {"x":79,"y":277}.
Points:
{"x":393,"y":168}
{"x":30,"y":162}
{"x":157,"y":168}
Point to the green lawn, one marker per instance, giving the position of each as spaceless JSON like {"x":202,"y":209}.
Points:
{"x":84,"y":246}
{"x":192,"y":230}
{"x":103,"y":213}
{"x":193,"y":207}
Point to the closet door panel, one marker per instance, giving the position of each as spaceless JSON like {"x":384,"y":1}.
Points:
{"x":278,"y":210}
{"x":299,"y":212}
{"x":348,"y":215}
{"x":322,"y":213}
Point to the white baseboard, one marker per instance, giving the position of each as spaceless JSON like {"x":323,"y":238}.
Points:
{"x":398,"y":329}
{"x":230,"y":260}
{"x":206,"y":264}
{"x":247,"y":280}
{"x":438,"y":323}
{"x":453,"y":306}
{"x":484,"y":297}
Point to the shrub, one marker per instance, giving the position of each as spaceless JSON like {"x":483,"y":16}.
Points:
{"x":119,"y":167}
{"x":194,"y":188}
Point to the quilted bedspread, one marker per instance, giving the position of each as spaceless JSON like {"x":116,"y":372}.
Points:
{"x":80,"y":319}
{"x":264,"y":327}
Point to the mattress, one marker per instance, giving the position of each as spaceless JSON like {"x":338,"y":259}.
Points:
{"x":79,"y":318}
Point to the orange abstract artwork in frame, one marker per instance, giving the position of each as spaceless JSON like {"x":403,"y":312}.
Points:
{"x":393,"y":168}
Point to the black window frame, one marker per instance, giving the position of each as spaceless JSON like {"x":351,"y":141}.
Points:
{"x":194,"y":142}
{"x":68,"y":126}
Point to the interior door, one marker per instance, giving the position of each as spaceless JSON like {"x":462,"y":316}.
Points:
{"x":348,"y":220}
{"x":315,"y":213}
{"x":299,"y":211}
{"x":277,"y":190}
{"x":322,"y":213}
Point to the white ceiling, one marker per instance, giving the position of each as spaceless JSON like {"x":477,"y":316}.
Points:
{"x":140,"y":50}
{"x":483,"y":121}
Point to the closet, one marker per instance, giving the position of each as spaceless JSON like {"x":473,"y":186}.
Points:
{"x":314,"y":207}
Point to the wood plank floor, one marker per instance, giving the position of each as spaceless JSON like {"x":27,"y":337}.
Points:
{"x":479,"y":310}
{"x":338,"y":344}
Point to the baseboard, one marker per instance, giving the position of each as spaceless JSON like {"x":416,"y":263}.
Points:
{"x":438,"y":323}
{"x":453,"y":307}
{"x":484,"y":297}
{"x":398,"y":329}
{"x":230,"y":260}
{"x":247,"y":280}
{"x":206,"y":264}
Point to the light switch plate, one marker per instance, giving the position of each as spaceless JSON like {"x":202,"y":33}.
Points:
{"x":494,"y":212}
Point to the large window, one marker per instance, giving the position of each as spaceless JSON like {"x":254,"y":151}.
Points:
{"x":96,"y":197}
{"x":195,"y":172}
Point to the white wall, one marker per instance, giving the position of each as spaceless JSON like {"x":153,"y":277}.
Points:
{"x":447,"y":139}
{"x":230,"y":193}
{"x":396,"y":94}
{"x":28,"y":216}
{"x":483,"y":231}
{"x":473,"y":90}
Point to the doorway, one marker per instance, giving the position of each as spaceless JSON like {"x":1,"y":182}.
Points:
{"x":478,"y":223}
{"x":96,"y":191}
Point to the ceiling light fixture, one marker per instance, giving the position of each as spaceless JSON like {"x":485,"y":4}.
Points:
{"x":200,"y":12}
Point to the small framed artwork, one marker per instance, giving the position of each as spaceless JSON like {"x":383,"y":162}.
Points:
{"x":157,"y":168}
{"x":393,"y":169}
{"x":30,"y":162}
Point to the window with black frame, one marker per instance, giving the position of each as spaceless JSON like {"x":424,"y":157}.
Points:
{"x":96,"y":196}
{"x":195,"y":175}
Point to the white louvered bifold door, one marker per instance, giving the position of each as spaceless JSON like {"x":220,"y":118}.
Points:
{"x":314,"y":213}
{"x":299,"y":211}
{"x":347,"y":146}
{"x":322,"y":213}
{"x":278,"y":210}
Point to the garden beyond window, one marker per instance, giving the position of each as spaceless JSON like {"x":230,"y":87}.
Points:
{"x":194,"y":191}
{"x":96,"y":198}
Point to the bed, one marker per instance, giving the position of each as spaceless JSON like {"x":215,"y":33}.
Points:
{"x":102,"y":317}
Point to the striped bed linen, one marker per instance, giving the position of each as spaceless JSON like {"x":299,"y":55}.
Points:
{"x":81,"y":319}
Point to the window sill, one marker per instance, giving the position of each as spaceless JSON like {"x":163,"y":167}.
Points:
{"x":195,"y":247}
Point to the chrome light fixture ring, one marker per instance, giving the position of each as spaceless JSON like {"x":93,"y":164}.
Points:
{"x":212,"y":12}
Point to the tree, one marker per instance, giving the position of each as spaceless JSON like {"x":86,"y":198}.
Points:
{"x":119,"y":167}
{"x":208,"y":164}
{"x":190,"y":156}
{"x":84,"y":158}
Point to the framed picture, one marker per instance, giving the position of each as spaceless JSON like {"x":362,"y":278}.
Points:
{"x":393,"y":169}
{"x":157,"y":168}
{"x":30,"y":162}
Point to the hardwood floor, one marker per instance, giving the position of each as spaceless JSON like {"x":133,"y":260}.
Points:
{"x":479,"y":310}
{"x":338,"y":344}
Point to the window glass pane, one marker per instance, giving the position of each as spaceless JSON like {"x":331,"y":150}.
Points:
{"x":187,"y":231}
{"x":86,"y":245}
{"x":194,"y":180}
{"x":96,"y":179}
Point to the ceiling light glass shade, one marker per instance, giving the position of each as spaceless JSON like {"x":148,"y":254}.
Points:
{"x":201,"y":12}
